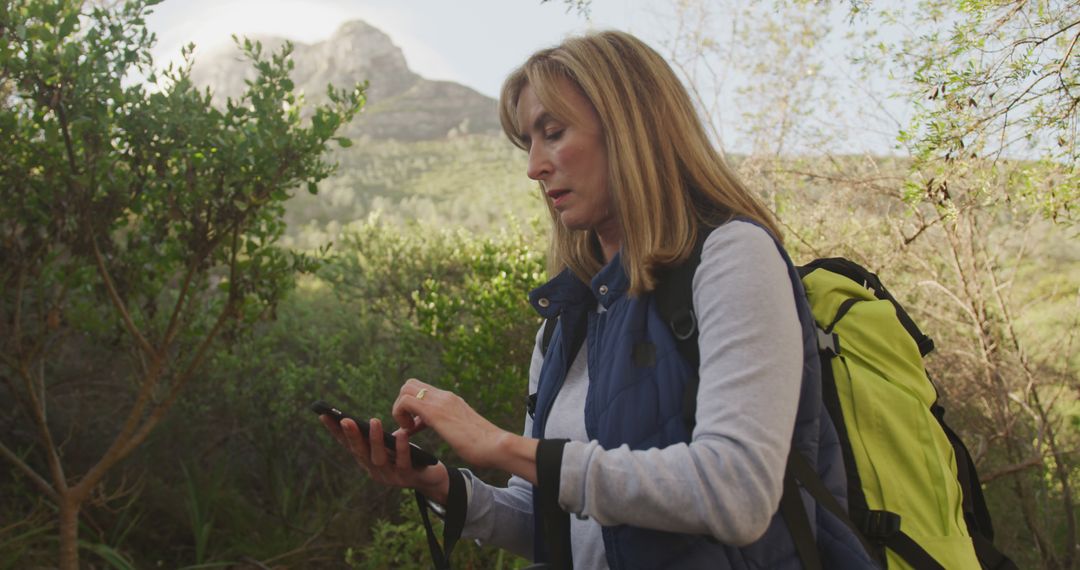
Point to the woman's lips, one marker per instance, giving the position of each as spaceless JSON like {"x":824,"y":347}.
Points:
{"x":557,"y":196}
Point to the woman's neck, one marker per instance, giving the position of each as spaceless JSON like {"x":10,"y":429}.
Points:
{"x":610,"y":239}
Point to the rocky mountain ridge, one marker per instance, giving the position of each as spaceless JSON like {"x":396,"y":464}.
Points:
{"x":401,"y":104}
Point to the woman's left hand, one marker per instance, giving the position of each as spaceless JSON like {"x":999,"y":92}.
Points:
{"x":478,"y":441}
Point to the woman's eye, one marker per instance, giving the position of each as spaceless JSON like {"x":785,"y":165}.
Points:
{"x":553,"y":135}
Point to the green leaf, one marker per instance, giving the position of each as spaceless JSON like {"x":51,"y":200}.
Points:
{"x":344,"y":142}
{"x":68,"y":25}
{"x":312,"y":188}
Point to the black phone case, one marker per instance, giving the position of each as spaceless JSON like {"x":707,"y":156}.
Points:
{"x":420,"y":458}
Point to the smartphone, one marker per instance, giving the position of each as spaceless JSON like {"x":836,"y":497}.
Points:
{"x":420,"y":458}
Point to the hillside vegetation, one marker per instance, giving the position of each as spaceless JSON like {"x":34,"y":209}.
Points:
{"x":474,"y":182}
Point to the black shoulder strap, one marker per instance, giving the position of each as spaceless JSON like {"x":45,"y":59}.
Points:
{"x":674,"y":297}
{"x":976,"y":513}
{"x":454,"y":521}
{"x":883,"y":526}
{"x":798,"y":521}
{"x":549,"y":331}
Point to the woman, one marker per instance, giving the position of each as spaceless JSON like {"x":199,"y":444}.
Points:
{"x":633,"y":184}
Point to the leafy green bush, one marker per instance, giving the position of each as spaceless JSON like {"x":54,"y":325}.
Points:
{"x":244,"y":471}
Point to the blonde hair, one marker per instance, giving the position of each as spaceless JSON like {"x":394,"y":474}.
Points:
{"x":667,"y":182}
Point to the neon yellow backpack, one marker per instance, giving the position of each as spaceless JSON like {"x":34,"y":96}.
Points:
{"x":912,"y":487}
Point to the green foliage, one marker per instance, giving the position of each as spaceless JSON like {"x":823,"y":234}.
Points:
{"x":988,"y":79}
{"x":456,"y":303}
{"x":472,"y":182}
{"x":136,"y":217}
{"x":258,"y":477}
{"x":403,"y":545}
{"x":23,"y":531}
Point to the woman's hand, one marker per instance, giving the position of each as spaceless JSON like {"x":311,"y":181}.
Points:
{"x":433,"y":482}
{"x":478,"y":441}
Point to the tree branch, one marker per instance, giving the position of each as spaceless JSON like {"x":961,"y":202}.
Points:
{"x":1068,"y":52}
{"x":37,"y":412}
{"x":20,"y":286}
{"x":114,"y":296}
{"x":30,"y":474}
{"x":174,"y":391}
{"x":172,"y":328}
{"x":1033,"y":461}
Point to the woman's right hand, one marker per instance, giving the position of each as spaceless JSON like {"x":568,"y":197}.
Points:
{"x":433,"y":481}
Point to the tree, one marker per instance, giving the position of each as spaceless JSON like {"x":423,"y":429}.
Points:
{"x":989,"y":79}
{"x":137,"y":220}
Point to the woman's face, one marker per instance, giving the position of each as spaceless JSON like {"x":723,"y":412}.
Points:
{"x":569,"y":159}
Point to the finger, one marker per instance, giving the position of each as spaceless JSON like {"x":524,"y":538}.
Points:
{"x":356,"y":441}
{"x":378,"y":448}
{"x":406,"y":411}
{"x":410,"y":387}
{"x":334,"y":428}
{"x":418,"y":426}
{"x":404,"y":457}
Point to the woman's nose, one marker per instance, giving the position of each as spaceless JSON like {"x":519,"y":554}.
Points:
{"x":539,"y":166}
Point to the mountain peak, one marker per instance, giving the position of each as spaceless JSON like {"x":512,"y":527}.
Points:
{"x":401,"y":104}
{"x":359,"y":28}
{"x":359,"y":48}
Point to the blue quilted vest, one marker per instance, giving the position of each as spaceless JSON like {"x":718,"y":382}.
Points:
{"x":638,"y":402}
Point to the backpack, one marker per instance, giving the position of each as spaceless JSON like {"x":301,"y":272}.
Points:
{"x":913,"y":492}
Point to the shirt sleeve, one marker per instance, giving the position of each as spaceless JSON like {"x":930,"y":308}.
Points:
{"x":728,"y":480}
{"x":503,"y":516}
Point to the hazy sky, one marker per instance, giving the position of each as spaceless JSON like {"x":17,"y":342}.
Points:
{"x":473,"y":42}
{"x":478,"y":42}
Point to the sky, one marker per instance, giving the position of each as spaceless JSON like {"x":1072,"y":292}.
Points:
{"x":472,"y":42}
{"x":478,"y":42}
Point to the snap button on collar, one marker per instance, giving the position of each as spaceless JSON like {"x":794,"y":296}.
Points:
{"x":603,"y":289}
{"x":543,"y":302}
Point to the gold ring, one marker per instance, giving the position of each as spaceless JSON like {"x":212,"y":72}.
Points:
{"x":420,"y":395}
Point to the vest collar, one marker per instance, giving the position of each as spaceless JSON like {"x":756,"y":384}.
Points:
{"x":563,"y":292}
{"x":566,"y":291}
{"x":611,"y":282}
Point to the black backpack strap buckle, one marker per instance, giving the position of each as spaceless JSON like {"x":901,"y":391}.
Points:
{"x":683,"y":325}
{"x":880,"y":525}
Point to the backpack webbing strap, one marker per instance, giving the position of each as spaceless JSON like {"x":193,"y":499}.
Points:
{"x":799,"y":468}
{"x":831,"y":399}
{"x":879,"y":526}
{"x":976,"y":513}
{"x":675,"y":303}
{"x":911,"y":552}
{"x":554,"y":520}
{"x":577,"y":339}
{"x":989,"y":556}
{"x":549,"y":331}
{"x":454,"y":521}
{"x":794,"y":514}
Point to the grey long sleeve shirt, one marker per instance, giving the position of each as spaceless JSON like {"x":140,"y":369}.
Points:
{"x":728,"y":480}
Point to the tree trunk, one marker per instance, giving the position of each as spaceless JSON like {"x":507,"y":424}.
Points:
{"x":69,"y":532}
